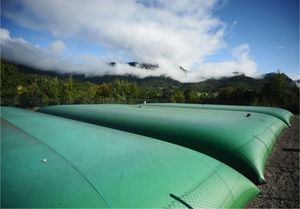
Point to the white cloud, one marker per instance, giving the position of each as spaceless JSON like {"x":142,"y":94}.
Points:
{"x":57,"y":47}
{"x":180,"y":32}
{"x":241,"y":50}
{"x":5,"y":34}
{"x":241,"y":64}
{"x":230,"y":32}
{"x":23,"y":52}
{"x":170,"y":33}
{"x":295,"y":75}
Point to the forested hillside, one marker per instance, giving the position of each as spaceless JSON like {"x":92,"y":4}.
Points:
{"x":25,"y":87}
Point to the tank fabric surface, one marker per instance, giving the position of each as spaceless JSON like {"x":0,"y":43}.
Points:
{"x":49,"y":161}
{"x":242,"y":142}
{"x":280,"y":113}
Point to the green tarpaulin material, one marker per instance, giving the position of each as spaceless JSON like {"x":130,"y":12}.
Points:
{"x":50,"y":161}
{"x":280,"y":113}
{"x":242,"y":142}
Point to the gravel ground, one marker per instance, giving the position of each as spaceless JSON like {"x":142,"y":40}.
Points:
{"x":281,"y":172}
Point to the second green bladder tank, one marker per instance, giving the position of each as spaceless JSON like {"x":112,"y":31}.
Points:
{"x":240,"y":141}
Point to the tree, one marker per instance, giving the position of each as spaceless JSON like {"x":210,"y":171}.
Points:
{"x":53,"y":91}
{"x":224,"y":94}
{"x":177,"y":97}
{"x":166,"y":94}
{"x":134,"y":90}
{"x":30,"y":96}
{"x":91,"y":92}
{"x":9,"y":83}
{"x":190,"y":95}
{"x":104,"y":91}
{"x":68,"y":91}
{"x":275,"y":91}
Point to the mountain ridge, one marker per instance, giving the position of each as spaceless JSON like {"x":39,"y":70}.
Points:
{"x":209,"y":85}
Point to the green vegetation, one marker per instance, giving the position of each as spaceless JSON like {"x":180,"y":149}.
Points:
{"x":36,"y":90}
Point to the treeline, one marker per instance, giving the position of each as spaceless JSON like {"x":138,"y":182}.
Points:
{"x":25,"y":90}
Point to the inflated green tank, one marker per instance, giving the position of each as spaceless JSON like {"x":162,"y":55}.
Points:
{"x":241,"y":141}
{"x":49,"y":161}
{"x":280,"y":113}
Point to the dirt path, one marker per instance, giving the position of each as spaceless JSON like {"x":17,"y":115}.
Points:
{"x":282,"y":172}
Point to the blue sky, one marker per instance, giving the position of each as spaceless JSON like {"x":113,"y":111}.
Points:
{"x":209,"y":38}
{"x":270,"y":27}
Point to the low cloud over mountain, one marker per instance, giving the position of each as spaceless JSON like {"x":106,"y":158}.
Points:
{"x":167,"y":33}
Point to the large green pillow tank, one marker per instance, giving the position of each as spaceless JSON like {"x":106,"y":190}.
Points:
{"x":280,"y":113}
{"x":52,"y":162}
{"x":242,"y":142}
